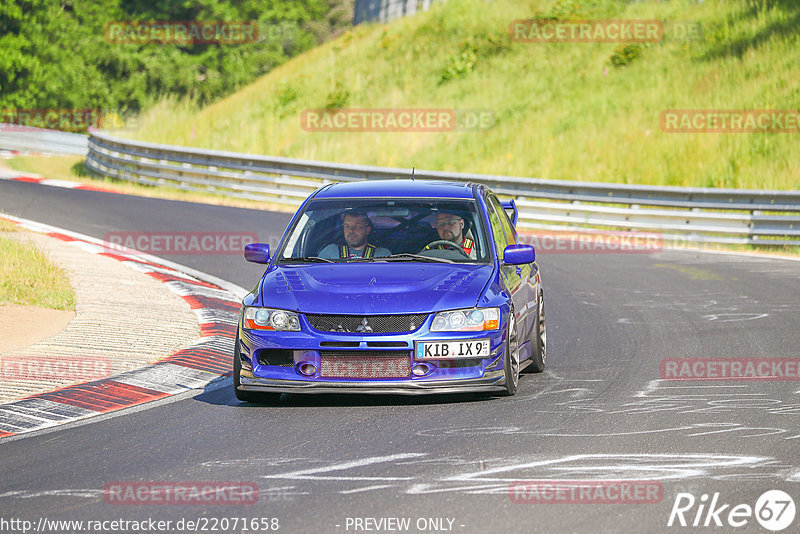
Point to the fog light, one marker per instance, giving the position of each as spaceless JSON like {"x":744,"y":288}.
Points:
{"x":308,"y":369}
{"x":420,"y":369}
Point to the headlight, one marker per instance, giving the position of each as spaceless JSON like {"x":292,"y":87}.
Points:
{"x":472,"y":320}
{"x":270,"y":319}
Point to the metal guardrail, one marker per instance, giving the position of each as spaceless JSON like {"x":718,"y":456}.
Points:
{"x":684,"y":214}
{"x":27,"y":139}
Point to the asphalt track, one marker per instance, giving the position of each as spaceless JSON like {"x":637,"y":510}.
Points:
{"x":599,"y":411}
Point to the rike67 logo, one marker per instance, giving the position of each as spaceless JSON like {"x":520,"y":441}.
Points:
{"x":774,"y":510}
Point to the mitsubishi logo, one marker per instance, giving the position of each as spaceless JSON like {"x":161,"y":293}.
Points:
{"x":364,"y":326}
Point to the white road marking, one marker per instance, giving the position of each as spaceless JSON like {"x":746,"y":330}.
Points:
{"x":25,"y":494}
{"x":422,"y":489}
{"x":677,"y":466}
{"x":738,"y":428}
{"x":60,"y":183}
{"x":256,"y":462}
{"x":732,"y":317}
{"x":307,"y":474}
{"x":497,"y":480}
{"x":368,"y":488}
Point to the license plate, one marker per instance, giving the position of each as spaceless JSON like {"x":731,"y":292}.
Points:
{"x":432,"y":350}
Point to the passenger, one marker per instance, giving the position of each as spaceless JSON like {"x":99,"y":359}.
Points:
{"x":357,"y":227}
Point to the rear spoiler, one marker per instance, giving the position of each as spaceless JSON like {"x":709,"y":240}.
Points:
{"x":511,"y":205}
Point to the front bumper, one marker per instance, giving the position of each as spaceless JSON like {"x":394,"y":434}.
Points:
{"x":309,"y":345}
{"x":491,"y":381}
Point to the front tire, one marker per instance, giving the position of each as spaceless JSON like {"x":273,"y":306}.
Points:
{"x":248,"y":396}
{"x":511,"y":359}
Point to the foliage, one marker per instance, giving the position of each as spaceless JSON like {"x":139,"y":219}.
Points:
{"x":624,"y":55}
{"x":54,"y":53}
{"x":338,"y":97}
{"x":472,"y":50}
{"x":460,"y":63}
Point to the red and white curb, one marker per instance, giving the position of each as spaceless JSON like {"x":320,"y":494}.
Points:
{"x":214,"y":301}
{"x":13,"y":176}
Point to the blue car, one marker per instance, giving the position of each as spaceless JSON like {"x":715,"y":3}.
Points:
{"x":393,"y":286}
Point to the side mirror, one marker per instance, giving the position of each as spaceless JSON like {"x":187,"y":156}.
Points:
{"x":257,"y":252}
{"x":519,"y":254}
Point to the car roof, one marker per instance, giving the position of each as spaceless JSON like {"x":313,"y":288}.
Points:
{"x":402,"y":188}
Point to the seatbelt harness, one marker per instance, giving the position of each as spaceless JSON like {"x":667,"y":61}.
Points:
{"x":467,"y":245}
{"x":344,"y":251}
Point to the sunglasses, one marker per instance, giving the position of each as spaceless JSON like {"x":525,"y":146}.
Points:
{"x":445,"y":224}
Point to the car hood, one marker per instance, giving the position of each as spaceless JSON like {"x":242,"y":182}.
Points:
{"x":374,"y":288}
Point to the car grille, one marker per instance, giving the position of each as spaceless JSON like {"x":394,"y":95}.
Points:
{"x":365,"y":364}
{"x":367,"y":324}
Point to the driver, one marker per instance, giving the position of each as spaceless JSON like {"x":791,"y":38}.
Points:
{"x":357,"y":227}
{"x":451,"y":228}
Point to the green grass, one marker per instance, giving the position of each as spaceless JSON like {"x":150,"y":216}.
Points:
{"x":29,"y":278}
{"x":562,"y":111}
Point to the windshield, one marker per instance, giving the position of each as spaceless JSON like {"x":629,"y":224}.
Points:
{"x":387,"y":230}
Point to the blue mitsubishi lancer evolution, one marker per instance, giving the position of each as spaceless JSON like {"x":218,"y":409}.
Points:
{"x":393,"y":286}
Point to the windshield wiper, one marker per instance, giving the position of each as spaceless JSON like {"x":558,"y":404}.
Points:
{"x":310,"y":259}
{"x":409,"y":257}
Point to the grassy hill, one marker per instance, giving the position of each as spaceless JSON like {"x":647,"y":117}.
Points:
{"x":585,"y":111}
